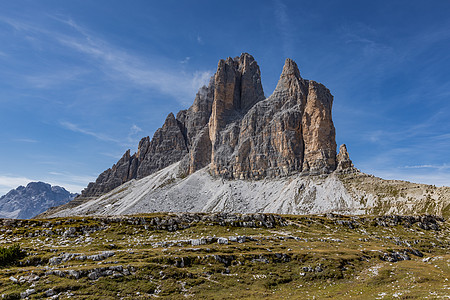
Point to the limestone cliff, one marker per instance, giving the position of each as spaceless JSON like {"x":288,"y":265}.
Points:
{"x":232,"y":128}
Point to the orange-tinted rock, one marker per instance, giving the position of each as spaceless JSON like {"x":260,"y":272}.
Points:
{"x":238,"y":133}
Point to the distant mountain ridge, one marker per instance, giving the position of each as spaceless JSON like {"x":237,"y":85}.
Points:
{"x":27,"y":202}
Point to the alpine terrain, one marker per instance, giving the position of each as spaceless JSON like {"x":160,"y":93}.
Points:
{"x":238,"y":197}
{"x":234,"y":150}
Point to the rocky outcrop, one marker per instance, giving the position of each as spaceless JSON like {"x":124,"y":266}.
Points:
{"x":168,"y":146}
{"x":237,"y":88}
{"x":232,"y":128}
{"x":344,"y":163}
{"x":291,"y":131}
{"x":122,"y":171}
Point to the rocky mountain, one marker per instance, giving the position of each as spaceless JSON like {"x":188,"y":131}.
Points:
{"x":352,"y":193}
{"x":235,"y":150}
{"x":27,"y":202}
{"x":232,"y":128}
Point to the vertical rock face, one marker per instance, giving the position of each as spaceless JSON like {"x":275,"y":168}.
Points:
{"x":318,"y":130}
{"x":238,"y":133}
{"x":344,"y":163}
{"x":123,"y":171}
{"x":168,"y":146}
{"x":237,"y":88}
{"x":290,"y":131}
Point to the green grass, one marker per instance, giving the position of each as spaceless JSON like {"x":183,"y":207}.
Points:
{"x":312,"y":256}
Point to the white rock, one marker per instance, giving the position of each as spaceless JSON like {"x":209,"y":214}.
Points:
{"x":13,"y":279}
{"x":222,"y":240}
{"x":27,"y":293}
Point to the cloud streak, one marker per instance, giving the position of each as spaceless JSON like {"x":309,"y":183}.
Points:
{"x":119,"y":64}
{"x":71,"y":182}
{"x":283,"y":24}
{"x":158,"y":73}
{"x":438,"y":167}
{"x":8,"y":183}
{"x":417,"y":175}
{"x":75,"y":128}
{"x":24,"y":140}
{"x":51,"y":80}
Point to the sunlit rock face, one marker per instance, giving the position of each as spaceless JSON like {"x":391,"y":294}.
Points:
{"x":238,"y":132}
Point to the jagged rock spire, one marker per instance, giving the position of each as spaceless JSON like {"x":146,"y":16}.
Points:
{"x":344,"y":163}
{"x":237,"y":132}
{"x":237,"y":88}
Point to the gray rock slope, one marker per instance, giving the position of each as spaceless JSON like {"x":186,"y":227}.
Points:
{"x":351,"y":193}
{"x":27,"y":202}
{"x":234,"y":150}
{"x":232,"y":128}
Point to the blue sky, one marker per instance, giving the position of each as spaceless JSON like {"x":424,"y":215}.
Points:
{"x":82,"y":81}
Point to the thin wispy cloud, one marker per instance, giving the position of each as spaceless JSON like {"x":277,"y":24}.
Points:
{"x":67,"y":176}
{"x":135,"y":129}
{"x":438,"y":167}
{"x":432,"y":177}
{"x":116,"y":63}
{"x":365,"y":39}
{"x":116,"y":156}
{"x":55,"y":78}
{"x":284,"y":27}
{"x":134,"y":135}
{"x":71,"y":182}
{"x":186,"y":60}
{"x":8,"y":183}
{"x":16,"y":24}
{"x":25,"y":140}
{"x":119,"y":64}
{"x":75,"y":128}
{"x":200,"y":40}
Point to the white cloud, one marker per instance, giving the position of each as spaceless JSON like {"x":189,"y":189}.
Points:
{"x":200,"y":79}
{"x":25,"y":140}
{"x":119,"y":64}
{"x":200,"y":40}
{"x":133,"y":135}
{"x":55,"y":78}
{"x":113,"y":155}
{"x":75,"y":128}
{"x":157,"y":73}
{"x":135,"y":129}
{"x":186,"y":60}
{"x":71,"y":182}
{"x":439,"y":167}
{"x":432,"y":177}
{"x":8,"y":183}
{"x":284,"y":27}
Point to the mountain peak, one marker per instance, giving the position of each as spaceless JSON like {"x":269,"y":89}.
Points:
{"x":231,"y":128}
{"x":290,"y":68}
{"x":35,"y":198}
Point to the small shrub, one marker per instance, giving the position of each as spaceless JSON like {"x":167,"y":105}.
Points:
{"x":10,"y":255}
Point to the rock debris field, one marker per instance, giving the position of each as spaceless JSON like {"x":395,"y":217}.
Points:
{"x":225,"y":255}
